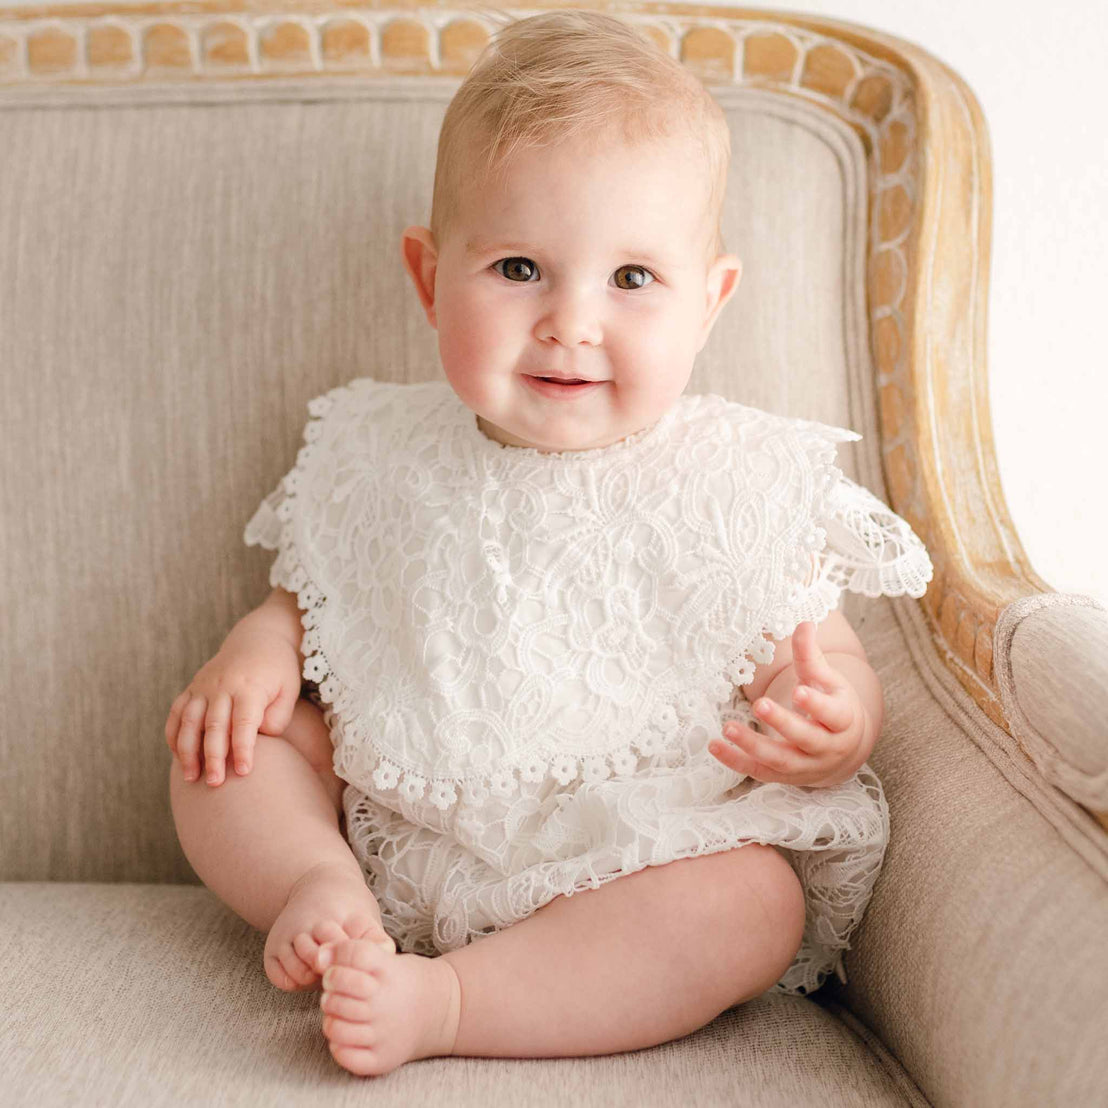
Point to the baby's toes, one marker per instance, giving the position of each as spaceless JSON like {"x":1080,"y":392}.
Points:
{"x":285,"y":968}
{"x":349,"y":968}
{"x":363,"y":955}
{"x":305,"y":948}
{"x":364,"y":925}
{"x":360,"y":1061}
{"x":307,"y":944}
{"x":329,"y":932}
{"x":345,"y":981}
{"x":339,"y":1032}
{"x":347,"y":1007}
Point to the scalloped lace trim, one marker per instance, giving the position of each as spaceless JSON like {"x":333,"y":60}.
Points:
{"x":871,"y":550}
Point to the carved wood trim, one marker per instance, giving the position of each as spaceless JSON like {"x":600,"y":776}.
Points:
{"x":929,"y":213}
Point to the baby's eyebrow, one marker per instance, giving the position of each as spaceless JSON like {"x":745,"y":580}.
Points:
{"x":476,"y":247}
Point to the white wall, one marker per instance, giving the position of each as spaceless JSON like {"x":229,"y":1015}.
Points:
{"x":1038,"y":71}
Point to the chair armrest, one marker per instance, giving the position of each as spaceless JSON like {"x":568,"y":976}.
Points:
{"x":1051,"y":663}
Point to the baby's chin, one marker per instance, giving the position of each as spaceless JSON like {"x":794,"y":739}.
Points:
{"x":547,"y":444}
{"x":569,"y":445}
{"x":561,"y":436}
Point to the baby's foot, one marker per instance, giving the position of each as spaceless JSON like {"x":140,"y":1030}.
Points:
{"x":382,"y":1010}
{"x":327,"y":904}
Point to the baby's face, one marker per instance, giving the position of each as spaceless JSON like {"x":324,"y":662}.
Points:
{"x":579,"y":265}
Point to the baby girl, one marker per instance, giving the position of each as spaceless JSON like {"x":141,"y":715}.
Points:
{"x":582,"y":759}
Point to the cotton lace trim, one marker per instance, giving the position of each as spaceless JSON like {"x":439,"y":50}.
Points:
{"x":878,"y":554}
{"x":871,"y":550}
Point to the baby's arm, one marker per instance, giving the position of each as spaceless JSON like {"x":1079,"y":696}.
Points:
{"x":823,"y":672}
{"x":251,"y":685}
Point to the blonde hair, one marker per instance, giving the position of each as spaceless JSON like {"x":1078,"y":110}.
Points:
{"x":572,"y":74}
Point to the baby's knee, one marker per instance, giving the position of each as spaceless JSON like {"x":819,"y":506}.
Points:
{"x":779,"y":890}
{"x":764,"y":881}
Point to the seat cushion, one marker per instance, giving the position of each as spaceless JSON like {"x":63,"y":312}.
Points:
{"x":155,"y":995}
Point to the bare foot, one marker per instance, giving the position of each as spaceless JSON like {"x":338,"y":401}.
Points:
{"x":327,"y":904}
{"x":382,"y":1010}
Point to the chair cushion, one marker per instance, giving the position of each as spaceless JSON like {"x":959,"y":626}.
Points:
{"x":155,"y":995}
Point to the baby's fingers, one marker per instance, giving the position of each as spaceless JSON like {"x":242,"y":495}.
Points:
{"x":216,"y":740}
{"x":173,"y":723}
{"x":188,"y":736}
{"x":808,"y":736}
{"x":248,"y":714}
{"x":830,"y":709}
{"x":809,"y":660}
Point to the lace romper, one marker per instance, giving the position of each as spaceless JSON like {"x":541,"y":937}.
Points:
{"x":522,"y":656}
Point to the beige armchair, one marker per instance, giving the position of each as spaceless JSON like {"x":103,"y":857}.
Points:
{"x":200,"y":211}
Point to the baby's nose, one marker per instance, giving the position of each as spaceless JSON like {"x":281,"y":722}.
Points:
{"x":570,"y":319}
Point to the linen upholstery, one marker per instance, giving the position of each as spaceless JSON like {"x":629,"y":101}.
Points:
{"x":234,"y":252}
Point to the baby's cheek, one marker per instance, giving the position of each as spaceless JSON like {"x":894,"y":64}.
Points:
{"x":464,"y":379}
{"x":459,"y":351}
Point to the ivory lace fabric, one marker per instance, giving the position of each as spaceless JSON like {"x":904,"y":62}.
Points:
{"x":522,"y":656}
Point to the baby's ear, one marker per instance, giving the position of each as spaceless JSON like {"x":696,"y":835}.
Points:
{"x":421,"y":259}
{"x":724,"y":275}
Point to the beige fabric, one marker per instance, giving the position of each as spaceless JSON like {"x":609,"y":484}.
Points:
{"x":226,"y":262}
{"x":154,"y":996}
{"x":1051,"y":659}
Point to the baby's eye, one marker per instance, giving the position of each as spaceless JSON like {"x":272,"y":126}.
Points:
{"x":640,"y":277}
{"x":522,"y":270}
{"x":513,"y":267}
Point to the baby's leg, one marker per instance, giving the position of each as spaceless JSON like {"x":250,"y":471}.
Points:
{"x":643,"y":959}
{"x":269,"y":846}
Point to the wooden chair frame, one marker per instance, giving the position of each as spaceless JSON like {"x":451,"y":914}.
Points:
{"x":929,"y":213}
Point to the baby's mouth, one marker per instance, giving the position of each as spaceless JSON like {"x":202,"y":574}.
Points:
{"x":560,"y":386}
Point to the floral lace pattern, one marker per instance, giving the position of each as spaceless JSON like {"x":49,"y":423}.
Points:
{"x":524,"y":654}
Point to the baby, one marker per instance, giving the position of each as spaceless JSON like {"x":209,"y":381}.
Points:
{"x":583,"y":693}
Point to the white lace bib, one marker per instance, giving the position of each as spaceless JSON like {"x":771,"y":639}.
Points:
{"x":479,"y":615}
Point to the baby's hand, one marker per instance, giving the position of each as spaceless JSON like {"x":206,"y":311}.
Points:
{"x":821,"y":744}
{"x":251,"y":685}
